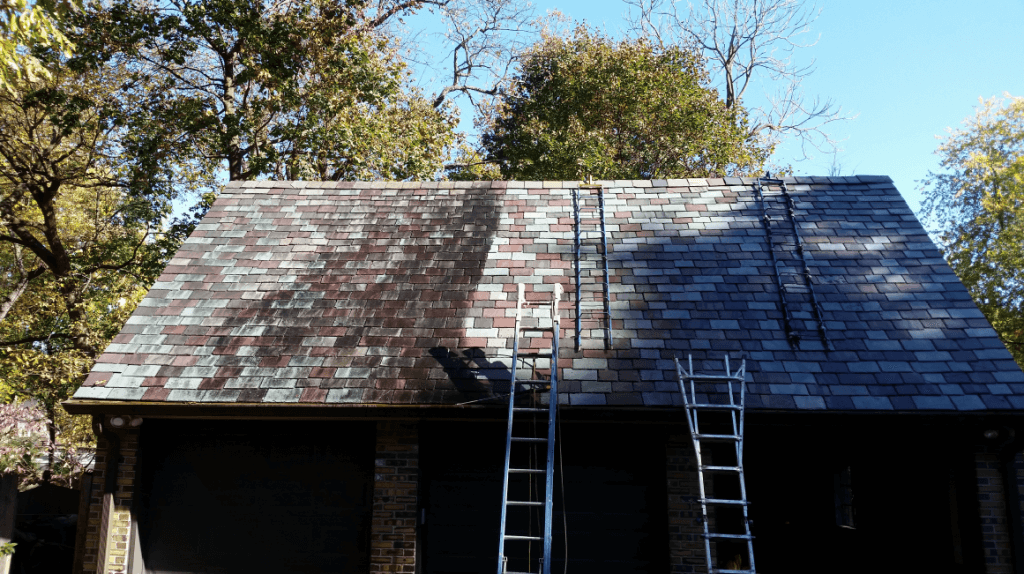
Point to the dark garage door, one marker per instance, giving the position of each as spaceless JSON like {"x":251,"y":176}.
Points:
{"x":227,"y":497}
{"x":615,"y":503}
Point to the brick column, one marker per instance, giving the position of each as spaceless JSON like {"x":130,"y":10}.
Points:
{"x":395,"y":498}
{"x":686,"y":545}
{"x":995,"y":532}
{"x":108,"y":524}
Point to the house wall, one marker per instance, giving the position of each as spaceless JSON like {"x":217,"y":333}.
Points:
{"x":109,"y":521}
{"x":395,"y":498}
{"x":686,"y":545}
{"x":394,"y":539}
{"x":996,"y":511}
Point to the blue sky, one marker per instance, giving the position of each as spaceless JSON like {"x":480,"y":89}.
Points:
{"x":908,"y":69}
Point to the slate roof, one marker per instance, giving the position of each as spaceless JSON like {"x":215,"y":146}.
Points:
{"x":404,"y":293}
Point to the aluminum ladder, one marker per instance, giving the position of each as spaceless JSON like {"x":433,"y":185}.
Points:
{"x":714,"y":398}
{"x":593,"y":294}
{"x":512,"y":440}
{"x":801,"y":312}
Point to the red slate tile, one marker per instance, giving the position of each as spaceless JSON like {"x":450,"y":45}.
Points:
{"x":313,"y":395}
{"x":156,"y":394}
{"x":275,"y":361}
{"x":95,"y":378}
{"x":154,"y":381}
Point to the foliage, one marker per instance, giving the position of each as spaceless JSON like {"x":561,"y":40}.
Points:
{"x":977,"y":208}
{"x":88,"y":176}
{"x":586,"y":105}
{"x":27,"y":25}
{"x":25,"y":441}
{"x":469,"y":165}
{"x":292,"y":89}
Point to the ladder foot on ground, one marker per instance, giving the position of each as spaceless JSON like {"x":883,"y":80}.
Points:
{"x":728,"y":408}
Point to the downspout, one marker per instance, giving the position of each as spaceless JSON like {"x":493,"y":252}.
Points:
{"x":1009,"y":447}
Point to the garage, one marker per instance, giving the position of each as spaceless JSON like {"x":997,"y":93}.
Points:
{"x":254,"y":496}
{"x":613,"y":503}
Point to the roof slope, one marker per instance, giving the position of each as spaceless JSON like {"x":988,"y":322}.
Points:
{"x":404,"y":293}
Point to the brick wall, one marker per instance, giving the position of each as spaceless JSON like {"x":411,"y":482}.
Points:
{"x":686,"y":545}
{"x":995,"y":532}
{"x":109,"y":521}
{"x":395,"y":498}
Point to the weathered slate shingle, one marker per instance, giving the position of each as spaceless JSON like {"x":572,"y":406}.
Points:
{"x":402,"y":293}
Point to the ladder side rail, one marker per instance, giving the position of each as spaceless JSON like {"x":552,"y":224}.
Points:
{"x":702,"y":487}
{"x":604,"y":259}
{"x":576,"y":245}
{"x":732,"y":400}
{"x":691,"y":420}
{"x":508,"y":436}
{"x":791,"y":335}
{"x":703,"y":495}
{"x":741,"y":375}
{"x":815,"y":307}
{"x":552,"y":414}
{"x":686,"y":400}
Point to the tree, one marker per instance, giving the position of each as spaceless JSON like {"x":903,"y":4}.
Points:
{"x":586,"y":105}
{"x":87,"y":179}
{"x":27,"y":25}
{"x":305,"y":89}
{"x":291,"y":89}
{"x":747,"y":42}
{"x":976,"y":207}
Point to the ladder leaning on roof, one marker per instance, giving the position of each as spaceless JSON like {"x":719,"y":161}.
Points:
{"x":528,"y":471}
{"x":714,"y":397}
{"x":593,"y":294}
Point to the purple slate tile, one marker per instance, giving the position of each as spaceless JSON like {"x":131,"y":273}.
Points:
{"x":996,"y":402}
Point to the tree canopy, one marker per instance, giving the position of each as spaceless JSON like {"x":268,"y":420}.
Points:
{"x":25,"y":25}
{"x":291,"y":90}
{"x":976,"y":206}
{"x":587,"y":105}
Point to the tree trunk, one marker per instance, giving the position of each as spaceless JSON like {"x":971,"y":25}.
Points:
{"x":8,"y":510}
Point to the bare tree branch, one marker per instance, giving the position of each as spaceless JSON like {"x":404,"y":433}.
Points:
{"x":750,"y":42}
{"x":482,"y":39}
{"x":22,"y":284}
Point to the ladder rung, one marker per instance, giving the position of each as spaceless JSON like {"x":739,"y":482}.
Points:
{"x":714,"y":406}
{"x":514,"y":537}
{"x":527,"y":471}
{"x":533,"y":382}
{"x":523,"y":503}
{"x":730,"y":536}
{"x":717,"y":437}
{"x":528,"y":439}
{"x":718,"y":468}
{"x":725,"y":571}
{"x":725,"y":501}
{"x":535,"y":355}
{"x":699,"y":378}
{"x":529,"y":410}
{"x":536,"y":329}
